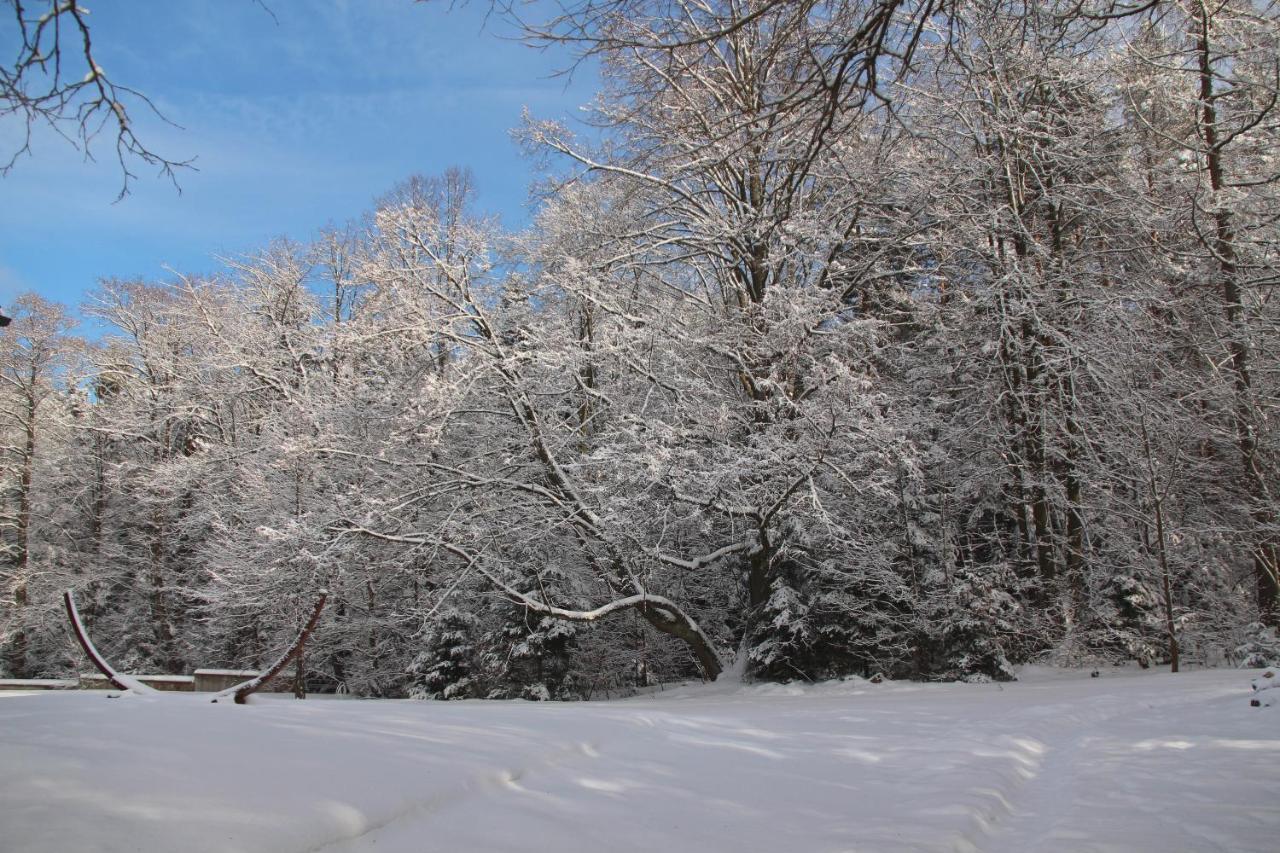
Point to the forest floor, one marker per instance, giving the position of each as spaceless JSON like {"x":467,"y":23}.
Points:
{"x":1058,"y":761}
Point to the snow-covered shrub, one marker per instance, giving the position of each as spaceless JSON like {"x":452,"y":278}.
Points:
{"x":969,"y":643}
{"x":445,"y":667}
{"x":1266,"y":688}
{"x":820,"y":622}
{"x":1125,"y":624}
{"x":1260,"y":648}
{"x":782,"y":642}
{"x":530,"y":657}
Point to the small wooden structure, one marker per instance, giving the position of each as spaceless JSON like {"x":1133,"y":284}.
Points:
{"x":38,"y":684}
{"x":217,"y":680}
{"x":160,"y":683}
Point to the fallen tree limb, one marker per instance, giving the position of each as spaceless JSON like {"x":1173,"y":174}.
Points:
{"x":241,"y":691}
{"x":117,"y":679}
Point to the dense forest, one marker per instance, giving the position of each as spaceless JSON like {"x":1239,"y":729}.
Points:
{"x":849,"y":337}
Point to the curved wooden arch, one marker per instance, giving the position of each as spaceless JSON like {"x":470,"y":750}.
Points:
{"x":117,"y":679}
{"x":238,"y":693}
{"x":241,"y":691}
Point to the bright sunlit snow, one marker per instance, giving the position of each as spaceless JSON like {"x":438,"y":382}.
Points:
{"x":1130,"y":761}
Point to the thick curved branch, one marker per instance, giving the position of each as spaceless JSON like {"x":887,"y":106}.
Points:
{"x":660,"y":612}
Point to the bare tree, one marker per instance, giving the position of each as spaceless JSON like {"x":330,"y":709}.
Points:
{"x":1210,"y":101}
{"x":32,"y":353}
{"x":55,"y":82}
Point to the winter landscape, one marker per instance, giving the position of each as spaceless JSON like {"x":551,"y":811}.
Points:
{"x":1130,"y":761}
{"x":841,"y":425}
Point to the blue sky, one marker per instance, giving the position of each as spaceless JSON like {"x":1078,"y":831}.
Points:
{"x":294,"y":125}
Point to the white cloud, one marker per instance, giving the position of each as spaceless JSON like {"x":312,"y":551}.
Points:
{"x":292,"y":126}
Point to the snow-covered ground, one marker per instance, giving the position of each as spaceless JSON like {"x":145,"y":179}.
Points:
{"x":1056,"y":762}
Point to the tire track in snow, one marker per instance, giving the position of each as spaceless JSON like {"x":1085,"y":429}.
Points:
{"x":477,"y":785}
{"x":1032,"y":811}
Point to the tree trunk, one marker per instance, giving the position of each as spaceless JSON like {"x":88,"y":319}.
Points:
{"x":681,"y":628}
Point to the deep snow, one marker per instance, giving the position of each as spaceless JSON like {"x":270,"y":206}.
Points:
{"x":1056,"y":762}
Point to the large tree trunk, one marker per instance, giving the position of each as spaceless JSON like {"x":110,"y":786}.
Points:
{"x":680,"y":626}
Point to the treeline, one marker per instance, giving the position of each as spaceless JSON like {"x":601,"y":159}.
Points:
{"x":890,"y":337}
